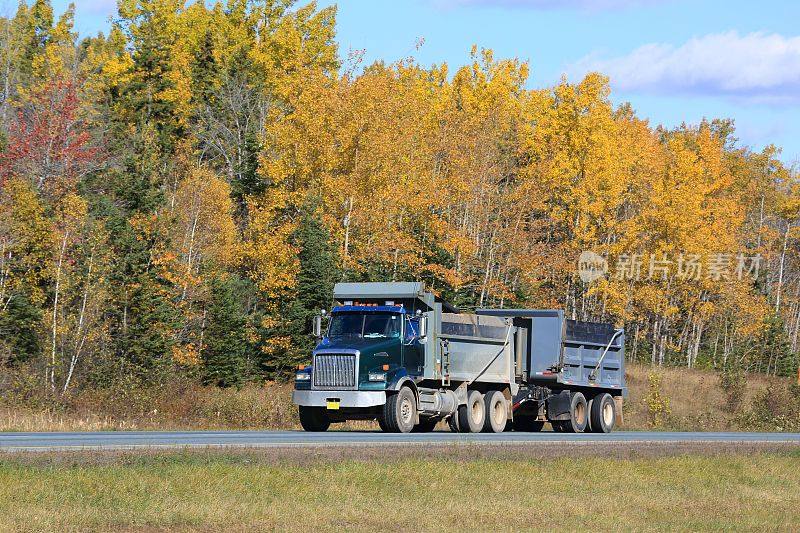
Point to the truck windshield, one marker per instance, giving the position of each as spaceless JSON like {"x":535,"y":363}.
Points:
{"x":365,"y":325}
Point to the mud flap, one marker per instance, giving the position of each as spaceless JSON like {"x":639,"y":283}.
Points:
{"x":618,"y":405}
{"x":558,"y":406}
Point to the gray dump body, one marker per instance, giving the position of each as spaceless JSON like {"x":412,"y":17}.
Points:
{"x":478,"y":348}
{"x":551,"y":350}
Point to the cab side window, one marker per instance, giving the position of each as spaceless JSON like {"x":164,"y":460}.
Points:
{"x":412,"y":329}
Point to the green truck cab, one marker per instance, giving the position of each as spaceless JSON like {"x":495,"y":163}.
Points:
{"x":373,"y":343}
{"x":367,"y":350}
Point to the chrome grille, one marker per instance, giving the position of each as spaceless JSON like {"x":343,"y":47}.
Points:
{"x":334,"y":371}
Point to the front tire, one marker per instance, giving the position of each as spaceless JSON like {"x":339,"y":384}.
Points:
{"x":400,"y":411}
{"x":314,"y":418}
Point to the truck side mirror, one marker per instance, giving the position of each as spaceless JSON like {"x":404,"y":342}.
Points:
{"x":423,"y":327}
{"x":317,"y":329}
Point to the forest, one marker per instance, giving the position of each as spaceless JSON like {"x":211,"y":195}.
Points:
{"x":179,"y":195}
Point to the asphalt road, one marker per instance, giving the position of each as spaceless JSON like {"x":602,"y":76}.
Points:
{"x":123,"y":440}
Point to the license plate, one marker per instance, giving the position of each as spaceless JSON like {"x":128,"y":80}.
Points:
{"x":333,"y":405}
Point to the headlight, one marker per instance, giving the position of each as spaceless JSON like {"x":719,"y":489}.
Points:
{"x":302,"y":376}
{"x":377,"y":376}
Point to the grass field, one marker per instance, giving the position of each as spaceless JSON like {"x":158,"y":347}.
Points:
{"x":254,"y":491}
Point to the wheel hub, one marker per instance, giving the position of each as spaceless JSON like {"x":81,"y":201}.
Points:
{"x":608,"y":414}
{"x":498,"y":413}
{"x":580,"y":413}
{"x":406,"y":411}
{"x":476,"y":411}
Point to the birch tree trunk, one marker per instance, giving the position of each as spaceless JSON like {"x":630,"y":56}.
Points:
{"x":51,"y":377}
{"x":80,"y":337}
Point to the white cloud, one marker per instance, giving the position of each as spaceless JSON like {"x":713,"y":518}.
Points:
{"x":585,"y":5}
{"x":756,"y":66}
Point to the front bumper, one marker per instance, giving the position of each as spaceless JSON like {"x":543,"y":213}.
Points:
{"x":351,"y":398}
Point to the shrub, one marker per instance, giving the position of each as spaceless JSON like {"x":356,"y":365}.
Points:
{"x":658,"y":409}
{"x":733,"y":382}
{"x":774,"y":409}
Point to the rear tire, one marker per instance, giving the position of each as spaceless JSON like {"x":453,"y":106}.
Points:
{"x":527,"y":424}
{"x":472,"y":416}
{"x":578,"y":415}
{"x":452,"y":423}
{"x":314,"y":418}
{"x":496,"y":409}
{"x":602,"y":414}
{"x":400,"y":411}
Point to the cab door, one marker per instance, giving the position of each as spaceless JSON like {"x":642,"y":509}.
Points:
{"x":413,"y":354}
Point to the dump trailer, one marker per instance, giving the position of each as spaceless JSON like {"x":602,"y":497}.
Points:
{"x":394,"y":353}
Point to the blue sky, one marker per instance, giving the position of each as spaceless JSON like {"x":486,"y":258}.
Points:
{"x":674,"y":60}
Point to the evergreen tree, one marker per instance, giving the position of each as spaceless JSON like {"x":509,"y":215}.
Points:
{"x":775,"y":350}
{"x":247,"y":179}
{"x":227,"y":353}
{"x":143,"y":317}
{"x":20,"y":325}
{"x":319,"y":271}
{"x":150,"y":77}
{"x":204,"y":72}
{"x":148,"y":333}
{"x":37,"y":23}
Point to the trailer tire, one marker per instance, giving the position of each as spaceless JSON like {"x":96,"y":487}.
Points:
{"x":602,"y":413}
{"x":578,"y":415}
{"x":400,"y":411}
{"x":496,"y":408}
{"x":472,"y":415}
{"x":314,"y":418}
{"x":426,"y":425}
{"x":528,"y":424}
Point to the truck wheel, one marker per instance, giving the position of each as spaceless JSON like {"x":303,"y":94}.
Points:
{"x":382,"y":425}
{"x":472,"y":415}
{"x":496,"y":409}
{"x":400,"y":411}
{"x":602,"y":414}
{"x":578,"y":415}
{"x":426,"y":425}
{"x":314,"y":418}
{"x":452,"y":423}
{"x":527,"y":423}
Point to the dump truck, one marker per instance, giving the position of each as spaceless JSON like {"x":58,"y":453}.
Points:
{"x":398,"y":354}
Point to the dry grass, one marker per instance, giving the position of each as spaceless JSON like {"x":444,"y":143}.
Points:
{"x":216,"y":492}
{"x":178,"y":407}
{"x":696,"y":399}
